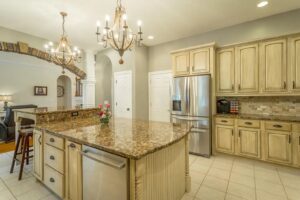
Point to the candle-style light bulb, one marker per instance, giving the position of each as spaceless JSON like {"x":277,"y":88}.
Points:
{"x":98,"y":24}
{"x":139,"y":23}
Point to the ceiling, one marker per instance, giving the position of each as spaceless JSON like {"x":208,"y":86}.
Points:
{"x":166,"y":20}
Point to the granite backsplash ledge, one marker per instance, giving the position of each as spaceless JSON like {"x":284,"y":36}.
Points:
{"x":283,"y":106}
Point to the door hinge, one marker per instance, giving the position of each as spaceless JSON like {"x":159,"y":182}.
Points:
{"x":290,"y":139}
{"x":116,"y":103}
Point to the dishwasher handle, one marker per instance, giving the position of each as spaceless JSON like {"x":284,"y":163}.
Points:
{"x":97,"y":158}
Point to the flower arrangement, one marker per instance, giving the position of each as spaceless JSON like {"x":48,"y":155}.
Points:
{"x":105,"y":113}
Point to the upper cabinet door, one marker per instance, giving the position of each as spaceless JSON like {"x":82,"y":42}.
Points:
{"x":181,"y":63}
{"x":200,"y":61}
{"x":274,"y":66}
{"x":225,"y":71}
{"x":295,"y":63}
{"x":247,"y":68}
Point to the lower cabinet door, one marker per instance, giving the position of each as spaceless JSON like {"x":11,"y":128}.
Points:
{"x":279,"y":147}
{"x":38,"y":154}
{"x":54,"y":180}
{"x":298,"y":148}
{"x":73,"y":171}
{"x":249,"y":142}
{"x":225,"y":139}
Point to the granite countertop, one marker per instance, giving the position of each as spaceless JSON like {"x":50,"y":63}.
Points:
{"x":262,"y":117}
{"x":47,"y":110}
{"x":124,"y":137}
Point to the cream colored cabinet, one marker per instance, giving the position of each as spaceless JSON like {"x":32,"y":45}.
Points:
{"x":38,"y":154}
{"x":278,"y":146}
{"x":273,"y":56}
{"x":73,"y":171}
{"x":249,"y":142}
{"x":200,"y":61}
{"x":225,"y":71}
{"x":295,"y":63}
{"x":224,"y":139}
{"x":298,"y":149}
{"x":247,"y":67}
{"x":181,"y":63}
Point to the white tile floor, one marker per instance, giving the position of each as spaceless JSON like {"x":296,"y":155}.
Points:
{"x":220,"y":177}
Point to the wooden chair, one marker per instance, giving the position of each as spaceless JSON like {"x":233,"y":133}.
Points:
{"x":22,"y":148}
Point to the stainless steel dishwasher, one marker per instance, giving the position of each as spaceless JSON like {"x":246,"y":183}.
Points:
{"x":105,"y":175}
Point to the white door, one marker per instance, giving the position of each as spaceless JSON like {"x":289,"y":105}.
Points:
{"x":123,"y":94}
{"x":159,"y":96}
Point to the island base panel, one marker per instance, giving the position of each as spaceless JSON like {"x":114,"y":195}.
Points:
{"x":162,"y":175}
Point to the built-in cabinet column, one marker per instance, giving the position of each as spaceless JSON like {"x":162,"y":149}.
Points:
{"x":38,"y":155}
{"x":295,"y":63}
{"x":247,"y":68}
{"x":225,"y":71}
{"x":274,"y":65}
{"x":89,"y":84}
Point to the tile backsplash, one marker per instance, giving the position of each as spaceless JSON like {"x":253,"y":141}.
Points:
{"x":284,"y":106}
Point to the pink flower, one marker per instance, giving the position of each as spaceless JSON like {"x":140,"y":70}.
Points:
{"x":108,"y":105}
{"x":100,"y":106}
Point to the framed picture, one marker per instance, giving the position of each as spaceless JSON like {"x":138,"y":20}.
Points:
{"x":60,"y":91}
{"x":40,"y":90}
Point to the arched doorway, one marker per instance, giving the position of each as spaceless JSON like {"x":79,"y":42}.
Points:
{"x":64,"y":92}
{"x":103,"y":73}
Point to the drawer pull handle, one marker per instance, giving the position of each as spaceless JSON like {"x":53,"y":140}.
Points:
{"x":225,"y":121}
{"x":248,"y":123}
{"x":52,"y":158}
{"x":40,"y":142}
{"x":52,"y":180}
{"x":72,"y":145}
{"x":277,"y":126}
{"x":52,"y":140}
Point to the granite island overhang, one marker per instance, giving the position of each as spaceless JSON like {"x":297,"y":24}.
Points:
{"x":157,"y":153}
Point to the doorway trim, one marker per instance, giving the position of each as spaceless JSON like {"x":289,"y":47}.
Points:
{"x":162,"y":72}
{"x":120,"y":73}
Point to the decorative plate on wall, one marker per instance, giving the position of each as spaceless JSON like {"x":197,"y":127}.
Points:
{"x":60,"y":91}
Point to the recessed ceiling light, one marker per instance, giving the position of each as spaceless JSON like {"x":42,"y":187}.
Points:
{"x":262,"y":4}
{"x":150,"y":37}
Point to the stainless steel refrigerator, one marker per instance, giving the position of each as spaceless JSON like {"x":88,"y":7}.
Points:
{"x":191,"y":104}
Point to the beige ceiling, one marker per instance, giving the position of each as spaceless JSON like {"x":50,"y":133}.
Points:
{"x":166,"y":20}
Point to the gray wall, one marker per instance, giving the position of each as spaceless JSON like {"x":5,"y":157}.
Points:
{"x":135,"y":61}
{"x":20,"y":73}
{"x":286,"y":23}
{"x":103,"y":74}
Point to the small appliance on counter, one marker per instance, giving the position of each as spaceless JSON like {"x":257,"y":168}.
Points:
{"x":225,"y":106}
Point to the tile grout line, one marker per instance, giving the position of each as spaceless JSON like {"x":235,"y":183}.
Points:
{"x":229,"y":177}
{"x":8,"y":188}
{"x":204,"y":178}
{"x":286,"y":195}
{"x":254,"y":171}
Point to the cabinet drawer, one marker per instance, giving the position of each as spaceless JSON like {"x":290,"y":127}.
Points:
{"x":54,"y":141}
{"x":249,"y":123}
{"x":225,"y":121}
{"x":278,"y":126}
{"x":55,"y":181}
{"x":54,"y":158}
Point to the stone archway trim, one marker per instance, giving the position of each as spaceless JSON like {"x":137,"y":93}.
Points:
{"x":23,"y":48}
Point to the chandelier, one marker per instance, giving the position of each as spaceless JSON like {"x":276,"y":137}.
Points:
{"x":120,"y":37}
{"x":63,"y":54}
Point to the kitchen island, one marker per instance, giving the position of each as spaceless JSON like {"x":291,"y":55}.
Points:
{"x":155,"y":155}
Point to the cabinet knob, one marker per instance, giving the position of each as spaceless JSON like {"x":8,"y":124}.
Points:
{"x":277,"y":126}
{"x":52,"y":157}
{"x":224,"y":121}
{"x":294,"y":85}
{"x":52,"y":140}
{"x":52,"y":180}
{"x":72,"y":145}
{"x":248,"y":123}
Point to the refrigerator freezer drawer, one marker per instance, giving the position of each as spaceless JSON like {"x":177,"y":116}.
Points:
{"x":200,"y":143}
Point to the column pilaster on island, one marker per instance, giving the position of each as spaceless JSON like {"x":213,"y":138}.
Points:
{"x":89,"y":84}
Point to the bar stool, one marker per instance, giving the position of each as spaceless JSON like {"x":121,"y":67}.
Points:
{"x":23,"y":149}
